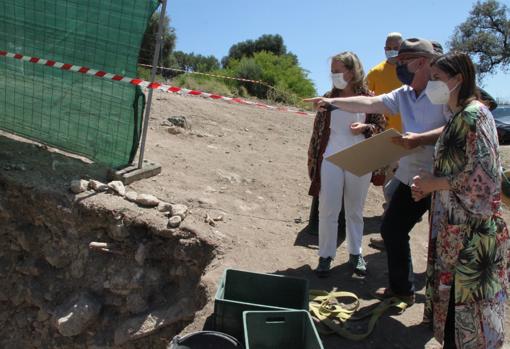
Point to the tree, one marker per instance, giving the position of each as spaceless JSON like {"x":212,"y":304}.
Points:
{"x":267,"y":42}
{"x":282,"y":72}
{"x":149,"y":41}
{"x":194,"y":62}
{"x":485,"y":35}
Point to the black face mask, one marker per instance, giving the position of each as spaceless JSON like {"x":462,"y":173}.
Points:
{"x":404,"y":75}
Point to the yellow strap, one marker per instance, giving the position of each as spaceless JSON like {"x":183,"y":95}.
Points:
{"x":326,"y":308}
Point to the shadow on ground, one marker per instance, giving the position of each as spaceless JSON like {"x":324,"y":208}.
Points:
{"x":389,"y":331}
{"x":307,"y":237}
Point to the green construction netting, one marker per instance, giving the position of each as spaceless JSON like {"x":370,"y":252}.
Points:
{"x":81,"y":114}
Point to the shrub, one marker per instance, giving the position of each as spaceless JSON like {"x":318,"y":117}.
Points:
{"x":290,"y":80}
{"x":204,"y":84}
{"x":145,"y":74}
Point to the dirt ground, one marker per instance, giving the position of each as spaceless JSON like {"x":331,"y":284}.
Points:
{"x":249,"y":165}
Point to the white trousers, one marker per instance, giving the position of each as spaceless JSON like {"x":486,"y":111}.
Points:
{"x":335,"y":184}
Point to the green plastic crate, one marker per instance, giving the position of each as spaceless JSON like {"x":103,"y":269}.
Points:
{"x":239,"y":291}
{"x":284,"y":329}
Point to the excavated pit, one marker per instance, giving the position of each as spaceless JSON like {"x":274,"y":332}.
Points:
{"x":56,"y":292}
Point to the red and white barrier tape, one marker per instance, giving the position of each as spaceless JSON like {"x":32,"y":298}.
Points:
{"x":143,"y":83}
{"x":208,"y":74}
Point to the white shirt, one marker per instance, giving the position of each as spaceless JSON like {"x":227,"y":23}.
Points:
{"x":418,"y":115}
{"x":341,"y":136}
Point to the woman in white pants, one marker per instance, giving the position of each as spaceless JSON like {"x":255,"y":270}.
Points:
{"x":345,"y":129}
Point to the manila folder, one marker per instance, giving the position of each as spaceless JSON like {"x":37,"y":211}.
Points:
{"x":371,"y":154}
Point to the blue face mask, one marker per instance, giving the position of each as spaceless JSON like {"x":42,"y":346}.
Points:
{"x":404,"y":75}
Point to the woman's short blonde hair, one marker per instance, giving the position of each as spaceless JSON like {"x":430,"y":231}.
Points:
{"x":352,"y":62}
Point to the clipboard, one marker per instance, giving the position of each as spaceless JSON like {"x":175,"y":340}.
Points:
{"x":371,"y":154}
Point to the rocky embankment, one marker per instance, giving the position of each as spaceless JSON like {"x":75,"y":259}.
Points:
{"x":93,"y":269}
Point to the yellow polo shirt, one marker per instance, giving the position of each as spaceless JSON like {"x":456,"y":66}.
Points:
{"x":383,"y":79}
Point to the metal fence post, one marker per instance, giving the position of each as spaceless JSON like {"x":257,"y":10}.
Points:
{"x":155,"y":62}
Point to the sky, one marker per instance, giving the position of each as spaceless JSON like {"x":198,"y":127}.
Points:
{"x":316,"y":30}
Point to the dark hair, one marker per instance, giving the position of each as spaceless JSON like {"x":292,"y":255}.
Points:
{"x":454,"y":63}
{"x":486,"y":98}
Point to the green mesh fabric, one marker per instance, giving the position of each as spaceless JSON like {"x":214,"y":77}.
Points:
{"x":81,"y":114}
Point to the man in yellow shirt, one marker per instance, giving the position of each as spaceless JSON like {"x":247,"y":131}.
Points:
{"x":383,"y":79}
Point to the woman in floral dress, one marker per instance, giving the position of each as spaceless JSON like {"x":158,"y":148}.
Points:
{"x":467,"y":272}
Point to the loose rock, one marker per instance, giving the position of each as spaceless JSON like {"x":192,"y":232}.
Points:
{"x":73,"y":317}
{"x":97,"y":185}
{"x":131,"y":196}
{"x":147,"y":200}
{"x":175,"y":130}
{"x":164,"y":207}
{"x":79,"y":186}
{"x":209,"y":220}
{"x":179,"y":210}
{"x":118,"y":187}
{"x":180,"y":121}
{"x":141,"y":326}
{"x":174,"y":221}
{"x":218,"y":218}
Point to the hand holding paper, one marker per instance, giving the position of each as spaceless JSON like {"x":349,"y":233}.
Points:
{"x":373,"y":153}
{"x":409,"y":140}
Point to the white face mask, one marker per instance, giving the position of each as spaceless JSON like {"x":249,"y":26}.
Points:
{"x":438,"y":91}
{"x":391,"y":53}
{"x":339,"y":81}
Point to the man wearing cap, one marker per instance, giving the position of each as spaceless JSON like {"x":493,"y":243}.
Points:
{"x":422,"y":123}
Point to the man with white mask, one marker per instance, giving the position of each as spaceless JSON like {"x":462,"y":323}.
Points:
{"x":383,"y":79}
{"x":422,"y":122}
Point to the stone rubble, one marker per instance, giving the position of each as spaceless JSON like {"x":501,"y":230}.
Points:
{"x":79,"y":186}
{"x":97,"y":186}
{"x":147,"y":200}
{"x":117,"y":187}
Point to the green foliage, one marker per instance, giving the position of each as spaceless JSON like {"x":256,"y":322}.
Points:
{"x":247,"y":68}
{"x":149,"y":41}
{"x":145,"y":74}
{"x":193,"y":62}
{"x":290,"y":81}
{"x":265,"y":59}
{"x":267,"y":42}
{"x":203,"y":83}
{"x":485,"y":35}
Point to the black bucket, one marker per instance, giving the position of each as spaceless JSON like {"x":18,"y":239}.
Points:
{"x":205,"y":340}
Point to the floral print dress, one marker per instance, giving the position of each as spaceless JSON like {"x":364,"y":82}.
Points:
{"x":469,"y":241}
